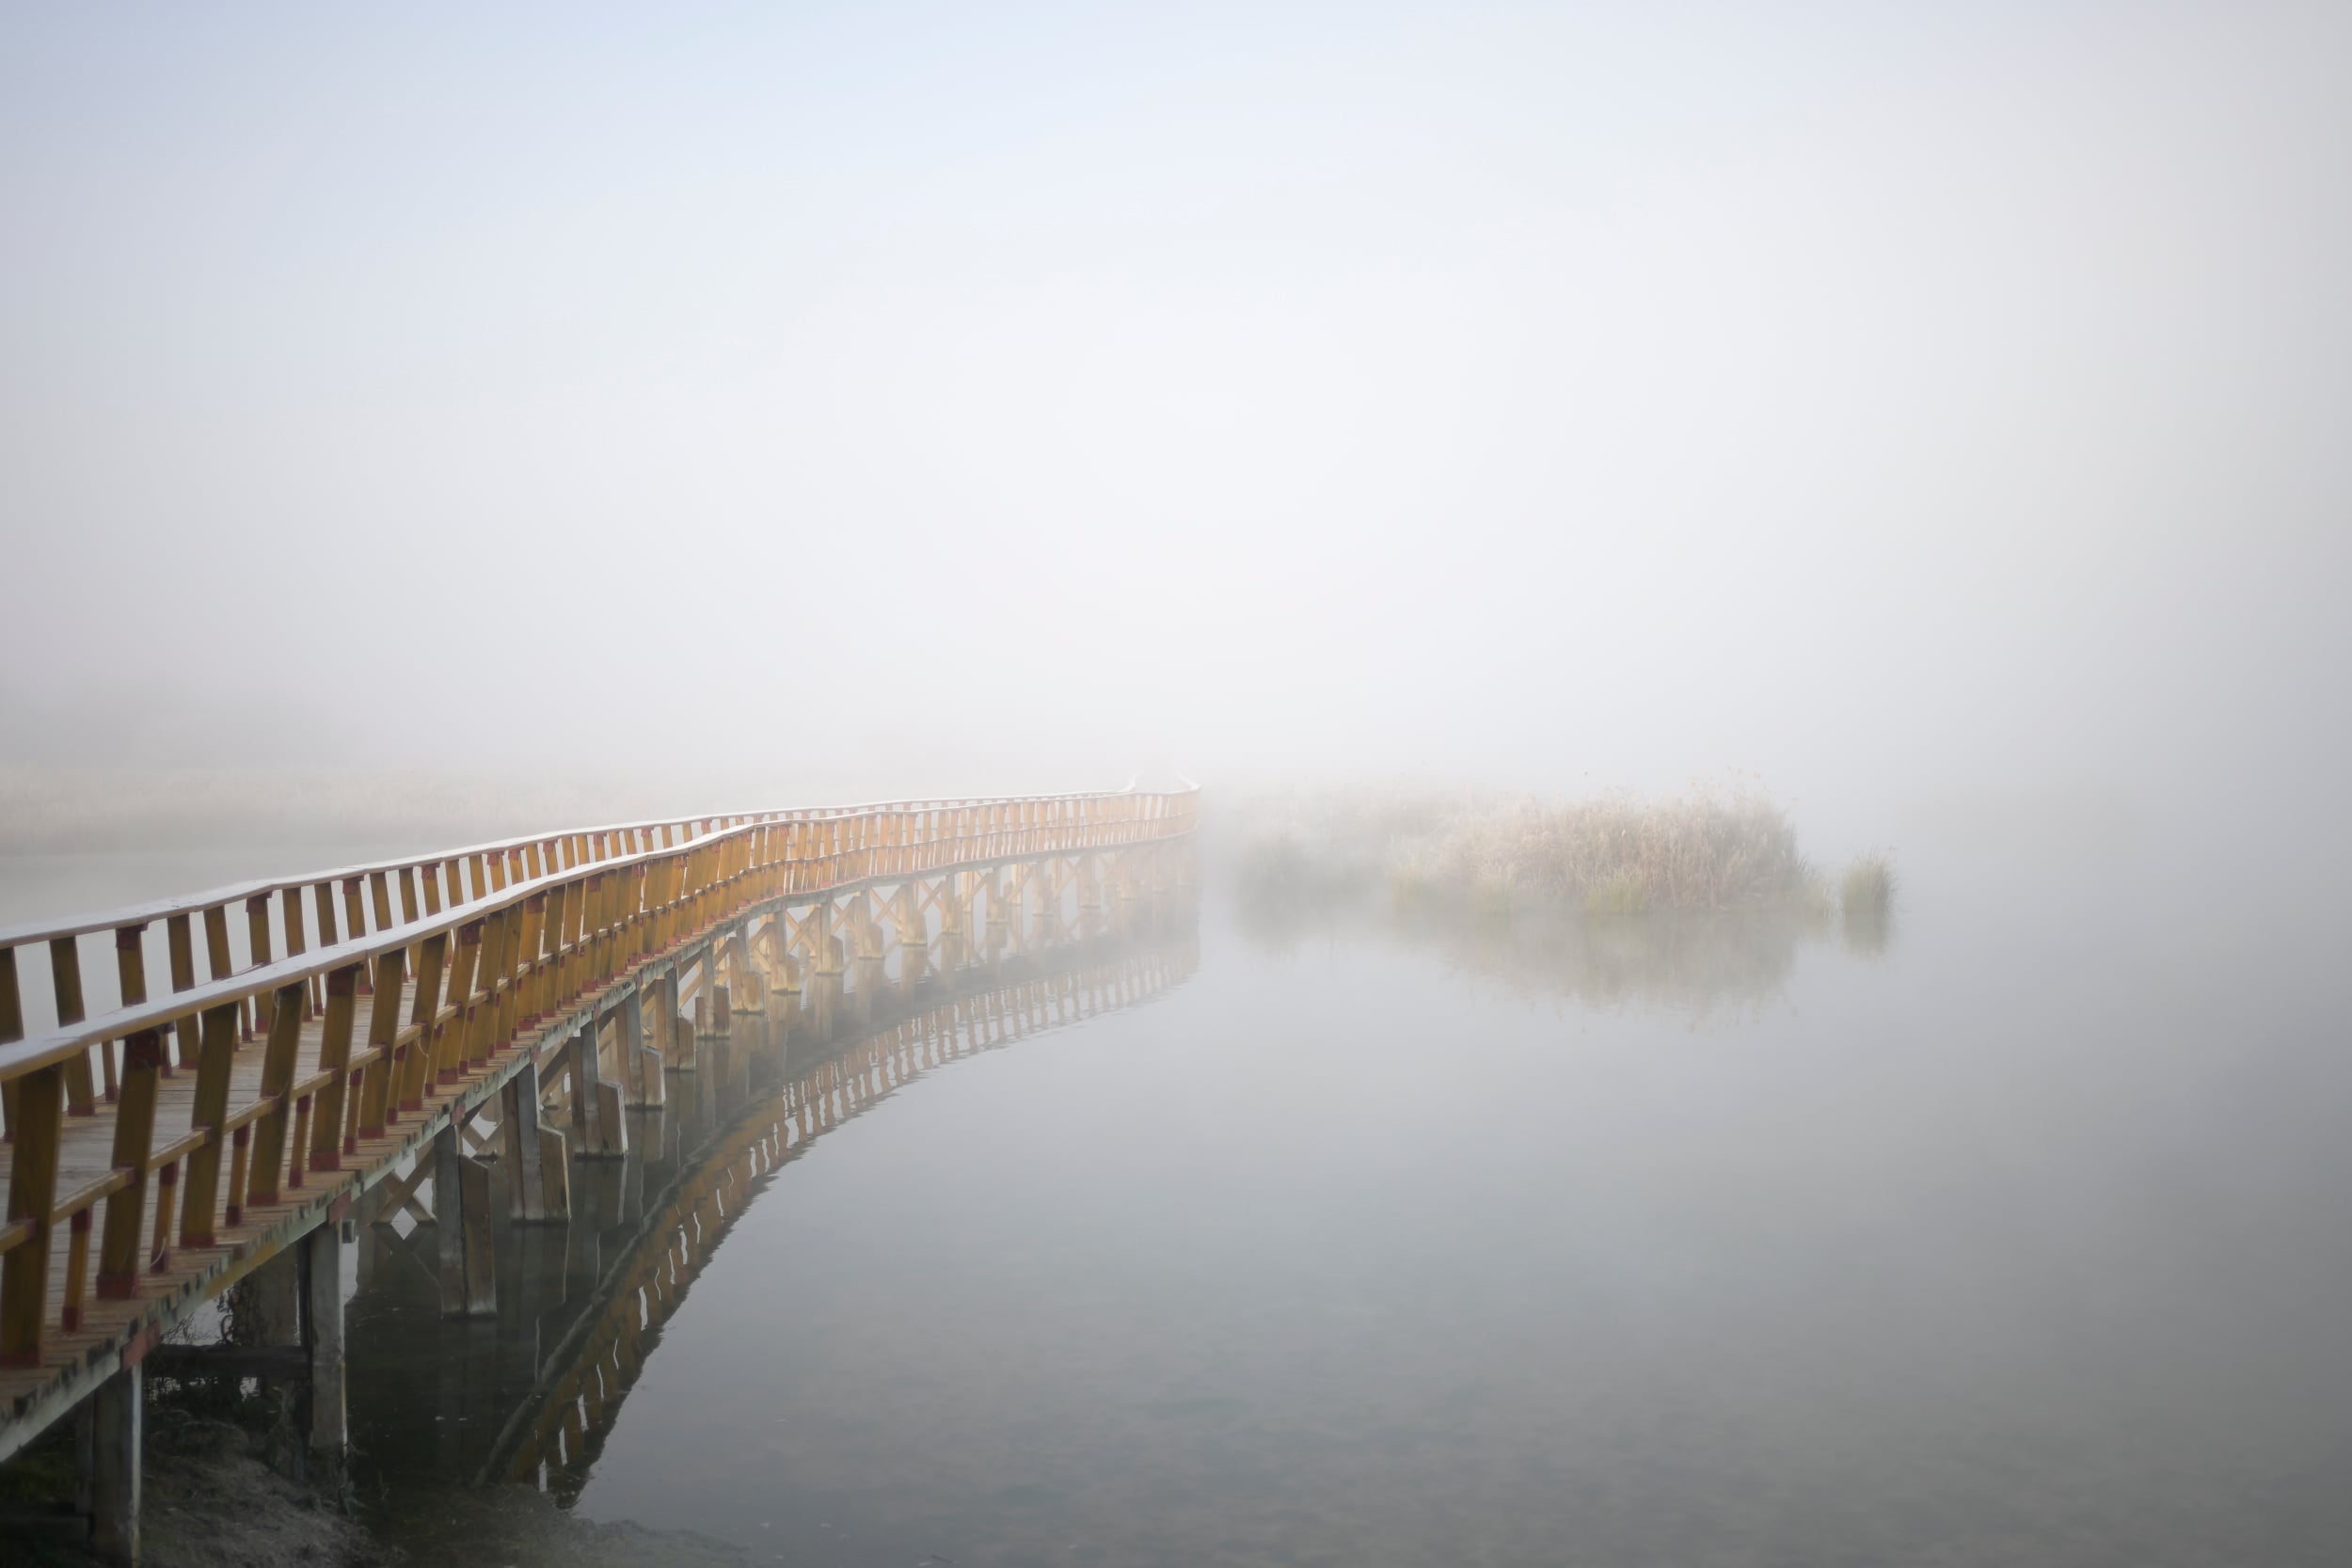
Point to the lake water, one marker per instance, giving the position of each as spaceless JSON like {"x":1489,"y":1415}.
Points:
{"x":2019,"y":1238}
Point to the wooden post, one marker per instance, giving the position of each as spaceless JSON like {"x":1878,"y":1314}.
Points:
{"x":11,"y":1030}
{"x":375,"y":1104}
{"x":327,"y":1129}
{"x":64,"y":979}
{"x":278,"y":1070}
{"x":180,"y":941}
{"x":201,"y":1200}
{"x":135,"y":1125}
{"x":416,"y":1069}
{"x":32,"y":1195}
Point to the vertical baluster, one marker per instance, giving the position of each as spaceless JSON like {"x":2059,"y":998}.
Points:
{"x":166,"y":1189}
{"x":322,"y":912}
{"x":181,"y":943}
{"x":200,"y":1200}
{"x":550,"y":994}
{"x":218,"y":962}
{"x":257,"y":929}
{"x":531,"y":951}
{"x":65,"y":975}
{"x":32,"y":1195}
{"x":239,"y":1167}
{"x":134,"y":1128}
{"x":415,"y":1067}
{"x":278,"y":1073}
{"x":131,"y":975}
{"x":257,"y":940}
{"x":325,"y":1146}
{"x":290,"y":900}
{"x":482,"y":1013}
{"x":11,"y":1030}
{"x":409,"y":904}
{"x":76,"y":1268}
{"x":374,"y":1108}
{"x":299,"y":1144}
{"x":467,"y":960}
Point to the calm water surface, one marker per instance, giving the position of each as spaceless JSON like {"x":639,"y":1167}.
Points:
{"x":2020,"y":1241}
{"x":2016,"y":1242}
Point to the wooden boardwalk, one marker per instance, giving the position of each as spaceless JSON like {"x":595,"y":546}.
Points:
{"x":161,"y":1149}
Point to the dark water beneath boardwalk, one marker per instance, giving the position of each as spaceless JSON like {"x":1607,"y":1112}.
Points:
{"x":2023,"y":1240}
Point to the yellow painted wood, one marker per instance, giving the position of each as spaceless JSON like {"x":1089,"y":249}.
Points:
{"x":325,"y":1146}
{"x":278,"y":1069}
{"x":200,"y":1199}
{"x":536,"y":961}
{"x":65,"y":978}
{"x":134,"y":1134}
{"x":32,"y":1191}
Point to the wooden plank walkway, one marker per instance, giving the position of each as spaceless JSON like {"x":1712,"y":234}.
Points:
{"x":552,"y":937}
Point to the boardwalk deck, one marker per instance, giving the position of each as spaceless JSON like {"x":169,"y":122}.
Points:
{"x":573,"y":930}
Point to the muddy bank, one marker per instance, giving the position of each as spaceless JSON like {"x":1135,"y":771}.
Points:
{"x":213,"y":1499}
{"x":210,"y":1500}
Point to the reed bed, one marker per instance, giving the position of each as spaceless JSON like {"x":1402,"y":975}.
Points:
{"x":1617,"y":855}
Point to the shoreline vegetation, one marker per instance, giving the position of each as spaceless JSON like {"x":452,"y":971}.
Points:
{"x":1698,"y":898}
{"x":1705,"y":851}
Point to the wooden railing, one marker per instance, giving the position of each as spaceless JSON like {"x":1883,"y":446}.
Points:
{"x":482,"y":945}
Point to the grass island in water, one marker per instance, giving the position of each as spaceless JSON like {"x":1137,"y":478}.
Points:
{"x":1701,"y":852}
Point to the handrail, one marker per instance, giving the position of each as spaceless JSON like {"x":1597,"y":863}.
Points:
{"x":26,"y":933}
{"x":493,"y":972}
{"x":61,"y":1042}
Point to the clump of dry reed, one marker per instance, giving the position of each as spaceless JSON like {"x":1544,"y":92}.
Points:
{"x":1867,"y":901}
{"x":1614,"y":855}
{"x":1869,"y":890}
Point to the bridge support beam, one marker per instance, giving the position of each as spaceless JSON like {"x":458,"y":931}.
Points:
{"x":323,"y":1340}
{"x":641,"y":1067}
{"x":111,"y":1465}
{"x":665,"y":1048}
{"x":539,"y":1175}
{"x":597,"y":1122}
{"x":461,"y":1221}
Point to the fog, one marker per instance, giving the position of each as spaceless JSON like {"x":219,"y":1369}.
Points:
{"x":418,"y":423}
{"x":1920,"y":413}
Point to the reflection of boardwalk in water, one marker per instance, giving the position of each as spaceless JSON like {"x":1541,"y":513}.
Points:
{"x":531,"y":1397}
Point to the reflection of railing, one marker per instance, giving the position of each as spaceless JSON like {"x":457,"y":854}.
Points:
{"x":335,"y":1060}
{"x":552,"y":1436}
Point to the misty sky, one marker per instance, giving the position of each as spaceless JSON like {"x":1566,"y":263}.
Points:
{"x":1877,"y":399}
